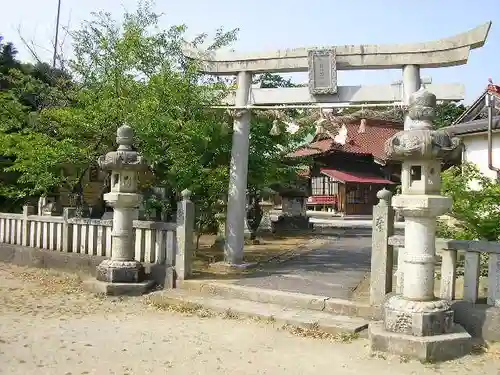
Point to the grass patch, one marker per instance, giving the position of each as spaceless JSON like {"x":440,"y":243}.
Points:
{"x":230,"y":314}
{"x":185,"y":308}
{"x":490,"y":350}
{"x":315,"y":332}
{"x":44,"y":282}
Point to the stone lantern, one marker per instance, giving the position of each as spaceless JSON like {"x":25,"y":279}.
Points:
{"x":124,"y":164}
{"x":416,"y":323}
{"x":265,"y":223}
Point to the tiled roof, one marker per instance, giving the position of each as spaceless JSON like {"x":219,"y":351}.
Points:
{"x":356,"y":177}
{"x":477,"y":110}
{"x":473,"y":127}
{"x":369,"y":142}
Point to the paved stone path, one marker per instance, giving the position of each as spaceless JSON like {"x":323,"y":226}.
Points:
{"x":333,"y":270}
{"x":49,"y":326}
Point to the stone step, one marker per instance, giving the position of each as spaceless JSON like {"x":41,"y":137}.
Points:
{"x":282,"y":298}
{"x":318,"y":320}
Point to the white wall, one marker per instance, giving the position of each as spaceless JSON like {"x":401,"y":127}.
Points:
{"x":476,"y":151}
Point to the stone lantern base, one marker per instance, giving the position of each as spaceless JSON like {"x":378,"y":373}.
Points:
{"x":118,"y":271}
{"x":445,"y":347}
{"x":420,"y":329}
{"x":115,"y":277}
{"x":418,"y":318}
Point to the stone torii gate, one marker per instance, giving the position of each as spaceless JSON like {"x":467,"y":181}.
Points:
{"x":322,"y":65}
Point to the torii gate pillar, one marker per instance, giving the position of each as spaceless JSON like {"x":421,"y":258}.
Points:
{"x":411,"y":84}
{"x":236,"y":203}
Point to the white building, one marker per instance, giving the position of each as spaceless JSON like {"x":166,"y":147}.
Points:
{"x":472,"y":127}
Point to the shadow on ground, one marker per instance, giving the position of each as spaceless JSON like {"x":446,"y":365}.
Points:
{"x":332,"y":270}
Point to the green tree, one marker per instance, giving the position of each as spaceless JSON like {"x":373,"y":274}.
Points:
{"x":24,"y":92}
{"x":7,"y":61}
{"x":446,"y":113}
{"x":125,"y":72}
{"x":187,"y":143}
{"x":271,"y":80}
{"x":134,"y":72}
{"x":475,"y":204}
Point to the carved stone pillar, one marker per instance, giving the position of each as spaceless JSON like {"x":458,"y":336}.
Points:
{"x":415,"y":322}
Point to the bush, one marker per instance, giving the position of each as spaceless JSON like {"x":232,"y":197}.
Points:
{"x":476,"y":208}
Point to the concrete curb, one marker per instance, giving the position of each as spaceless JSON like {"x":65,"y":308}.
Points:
{"x":315,"y":320}
{"x":161,"y":274}
{"x":286,"y":299}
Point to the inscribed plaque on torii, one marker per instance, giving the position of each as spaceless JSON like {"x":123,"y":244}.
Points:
{"x":322,"y":72}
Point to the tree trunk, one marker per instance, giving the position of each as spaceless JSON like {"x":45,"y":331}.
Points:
{"x":100,"y":207}
{"x":198,"y":236}
{"x":254,"y":214}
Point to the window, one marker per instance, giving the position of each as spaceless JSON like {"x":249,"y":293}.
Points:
{"x":334,"y":187}
{"x":358,"y":194}
{"x":318,"y":186}
{"x":323,"y":186}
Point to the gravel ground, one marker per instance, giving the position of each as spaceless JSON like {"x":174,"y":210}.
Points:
{"x":48,"y":325}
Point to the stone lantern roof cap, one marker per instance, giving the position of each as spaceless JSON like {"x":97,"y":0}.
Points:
{"x":124,"y":158}
{"x":421,"y":141}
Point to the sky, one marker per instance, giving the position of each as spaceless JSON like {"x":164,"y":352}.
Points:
{"x":278,"y":24}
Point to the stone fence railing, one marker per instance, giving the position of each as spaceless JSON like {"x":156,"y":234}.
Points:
{"x":384,"y":242}
{"x":155,"y":242}
{"x":448,"y":250}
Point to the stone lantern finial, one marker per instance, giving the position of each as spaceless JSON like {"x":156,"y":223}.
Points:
{"x":124,"y":137}
{"x":186,"y":194}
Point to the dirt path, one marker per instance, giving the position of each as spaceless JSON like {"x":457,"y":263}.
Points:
{"x":48,"y":325}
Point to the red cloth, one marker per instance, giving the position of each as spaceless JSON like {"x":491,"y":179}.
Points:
{"x":322,"y":199}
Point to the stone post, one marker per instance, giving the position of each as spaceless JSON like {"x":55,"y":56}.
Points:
{"x":42,"y":201}
{"x":382,"y":252}
{"x":122,"y":274}
{"x":67,"y":229}
{"x":185,"y":234}
{"x":220,"y":217}
{"x":236,"y":204}
{"x":416,"y":323}
{"x":27,"y":211}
